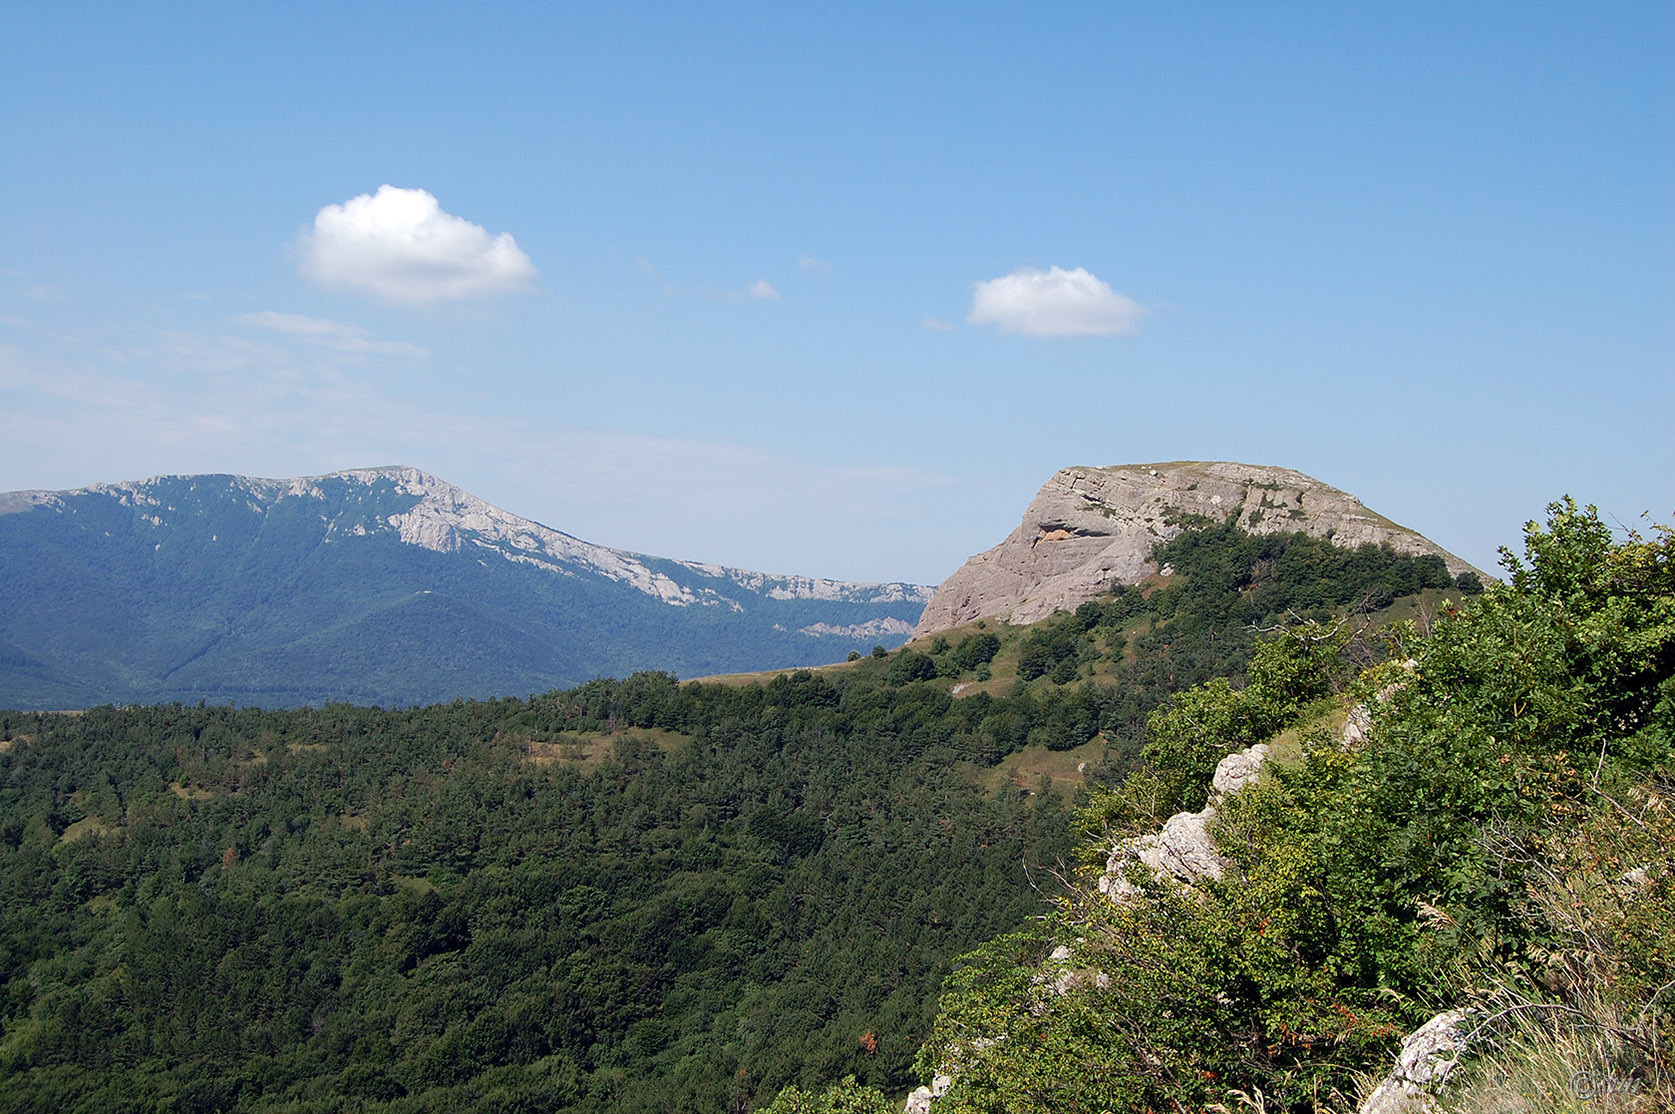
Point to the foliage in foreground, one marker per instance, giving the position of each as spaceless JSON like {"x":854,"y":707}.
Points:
{"x":1502,"y":837}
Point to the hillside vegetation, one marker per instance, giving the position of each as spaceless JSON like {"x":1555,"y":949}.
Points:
{"x":630,"y":895}
{"x":1499,"y":839}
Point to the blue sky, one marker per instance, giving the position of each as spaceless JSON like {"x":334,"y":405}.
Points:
{"x":834,"y":289}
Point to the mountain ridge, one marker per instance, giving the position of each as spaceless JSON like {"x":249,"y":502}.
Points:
{"x":379,"y":585}
{"x":474,"y":518}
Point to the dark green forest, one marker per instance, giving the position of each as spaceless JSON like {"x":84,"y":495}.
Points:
{"x":633,"y":895}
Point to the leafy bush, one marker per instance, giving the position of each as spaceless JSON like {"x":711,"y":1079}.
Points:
{"x":978,"y":649}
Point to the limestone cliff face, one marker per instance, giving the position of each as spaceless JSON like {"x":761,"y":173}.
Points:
{"x":1090,"y":529}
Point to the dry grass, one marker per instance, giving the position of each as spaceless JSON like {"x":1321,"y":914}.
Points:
{"x":1543,"y":1065}
{"x":1063,"y":769}
{"x":86,"y":826}
{"x":588,"y":750}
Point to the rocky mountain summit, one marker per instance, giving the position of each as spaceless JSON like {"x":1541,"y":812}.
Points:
{"x":1090,"y":529}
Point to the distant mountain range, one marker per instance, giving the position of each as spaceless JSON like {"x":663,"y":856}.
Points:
{"x":383,"y":585}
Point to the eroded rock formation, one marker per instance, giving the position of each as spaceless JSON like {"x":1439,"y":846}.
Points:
{"x":1090,"y":529}
{"x":1427,"y":1058}
{"x":1183,"y":849}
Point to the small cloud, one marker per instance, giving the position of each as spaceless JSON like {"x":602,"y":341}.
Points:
{"x":43,"y":293}
{"x":335,"y":335}
{"x":936,"y":325}
{"x":761,"y":291}
{"x":649,"y":269}
{"x":810,"y":263}
{"x":399,"y":245}
{"x":1053,"y":303}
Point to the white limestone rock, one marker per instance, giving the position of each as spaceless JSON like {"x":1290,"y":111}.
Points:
{"x":1428,"y":1056}
{"x":1186,"y":850}
{"x":1239,"y":769}
{"x":919,"y":1102}
{"x":1183,"y":849}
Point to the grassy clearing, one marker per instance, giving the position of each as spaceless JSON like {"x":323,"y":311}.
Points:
{"x":1421,"y":609}
{"x":1065,"y":770}
{"x":762,"y":677}
{"x":1326,"y":717}
{"x":86,"y":826}
{"x":180,"y":790}
{"x":413,"y":883}
{"x":588,"y":750}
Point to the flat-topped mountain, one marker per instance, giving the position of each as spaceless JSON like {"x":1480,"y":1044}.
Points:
{"x":1090,"y":529}
{"x":383,"y":585}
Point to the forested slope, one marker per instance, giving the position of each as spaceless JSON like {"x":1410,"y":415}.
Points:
{"x":633,"y":895}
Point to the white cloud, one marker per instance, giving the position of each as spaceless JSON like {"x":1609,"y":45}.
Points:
{"x":41,"y":292}
{"x":763,"y":292}
{"x":335,"y":335}
{"x":936,"y":325}
{"x":812,"y":263}
{"x":399,"y":245}
{"x":1053,"y":303}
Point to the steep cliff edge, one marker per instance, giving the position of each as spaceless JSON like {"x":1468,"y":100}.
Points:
{"x":1089,"y":529}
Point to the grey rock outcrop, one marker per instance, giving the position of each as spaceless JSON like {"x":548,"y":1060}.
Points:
{"x":1239,"y":769}
{"x":1090,"y":529}
{"x":1428,"y":1056}
{"x":919,"y":1102}
{"x":1183,"y":849}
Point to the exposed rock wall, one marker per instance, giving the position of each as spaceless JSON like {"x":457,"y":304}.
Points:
{"x":1090,"y":529}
